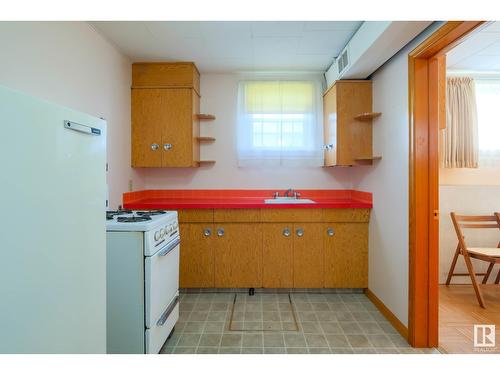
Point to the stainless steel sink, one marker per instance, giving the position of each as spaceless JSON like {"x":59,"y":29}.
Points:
{"x":287,"y":200}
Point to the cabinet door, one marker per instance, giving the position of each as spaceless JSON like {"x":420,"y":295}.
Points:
{"x":147,"y":124}
{"x":330,"y":126}
{"x":195,"y":128}
{"x":197,"y":256}
{"x":308,"y":255}
{"x":346,"y":255}
{"x":277,"y":258}
{"x":177,"y":126}
{"x":354,"y":136}
{"x":238,"y":255}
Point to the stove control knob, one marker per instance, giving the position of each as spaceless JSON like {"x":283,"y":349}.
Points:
{"x":162,"y":233}
{"x":157,"y":236}
{"x":170,"y":229}
{"x":176,"y":226}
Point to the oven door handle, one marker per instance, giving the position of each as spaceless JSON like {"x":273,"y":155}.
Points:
{"x":167,"y":312}
{"x":167,"y":249}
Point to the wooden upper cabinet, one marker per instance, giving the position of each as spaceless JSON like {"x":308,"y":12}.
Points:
{"x":165,"y":102}
{"x":330,"y":126}
{"x":346,"y":137}
{"x":166,"y":75}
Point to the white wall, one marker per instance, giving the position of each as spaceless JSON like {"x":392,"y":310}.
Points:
{"x":388,"y":181}
{"x":219,"y":97}
{"x":467,"y":200}
{"x":71,"y":64}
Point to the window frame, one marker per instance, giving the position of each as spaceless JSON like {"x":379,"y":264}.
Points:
{"x":309,"y":153}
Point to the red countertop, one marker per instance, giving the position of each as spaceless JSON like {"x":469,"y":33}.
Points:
{"x":184,"y":199}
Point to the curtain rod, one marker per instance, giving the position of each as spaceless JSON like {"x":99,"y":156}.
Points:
{"x":493,"y":75}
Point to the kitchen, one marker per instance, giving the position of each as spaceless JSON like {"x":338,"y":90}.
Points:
{"x":253,"y":203}
{"x":243,"y":237}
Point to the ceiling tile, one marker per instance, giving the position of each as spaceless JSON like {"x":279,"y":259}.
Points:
{"x":218,"y":29}
{"x":492,"y":50}
{"x":321,"y":42}
{"x":176,"y":29}
{"x":276,"y":46}
{"x":229,"y":46}
{"x":493,"y":28}
{"x":331,"y":25}
{"x":479,"y":52}
{"x":475,"y":63}
{"x":232,"y":46}
{"x":277,"y":29}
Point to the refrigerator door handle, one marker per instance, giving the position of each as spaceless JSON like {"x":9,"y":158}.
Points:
{"x":81,"y":128}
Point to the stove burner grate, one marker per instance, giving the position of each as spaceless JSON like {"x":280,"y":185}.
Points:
{"x":150,"y":213}
{"x":110,"y":215}
{"x":133,"y":219}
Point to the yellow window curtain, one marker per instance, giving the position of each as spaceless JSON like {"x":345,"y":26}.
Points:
{"x":279,"y":97}
{"x":459,"y":140}
{"x":279,"y":122}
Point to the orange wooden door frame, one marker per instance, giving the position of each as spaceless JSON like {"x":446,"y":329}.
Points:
{"x":426,"y":85}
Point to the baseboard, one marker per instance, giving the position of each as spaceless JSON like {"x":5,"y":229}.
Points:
{"x":396,"y":323}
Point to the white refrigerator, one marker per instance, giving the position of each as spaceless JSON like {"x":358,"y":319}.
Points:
{"x":52,"y":228}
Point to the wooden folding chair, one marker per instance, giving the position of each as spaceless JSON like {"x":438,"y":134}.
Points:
{"x":487,"y":254}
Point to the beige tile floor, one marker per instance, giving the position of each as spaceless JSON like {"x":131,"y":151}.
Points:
{"x":327,"y":323}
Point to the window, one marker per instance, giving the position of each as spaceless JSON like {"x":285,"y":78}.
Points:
{"x":279,"y":123}
{"x":488,"y":99}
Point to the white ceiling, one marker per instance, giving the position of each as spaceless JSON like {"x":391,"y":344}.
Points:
{"x":227,"y":46}
{"x":480,"y":52}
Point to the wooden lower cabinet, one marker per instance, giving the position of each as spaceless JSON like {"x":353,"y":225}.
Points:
{"x":272,"y":254}
{"x":238,"y":255}
{"x":308,"y":257}
{"x":197,"y":256}
{"x":346,"y":255}
{"x":277,"y":255}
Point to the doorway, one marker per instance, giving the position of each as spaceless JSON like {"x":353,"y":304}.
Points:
{"x":427,"y":111}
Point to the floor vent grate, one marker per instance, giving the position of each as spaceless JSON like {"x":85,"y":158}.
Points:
{"x":263,"y":312}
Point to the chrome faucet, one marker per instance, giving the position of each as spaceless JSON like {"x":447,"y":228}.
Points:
{"x":292,"y":193}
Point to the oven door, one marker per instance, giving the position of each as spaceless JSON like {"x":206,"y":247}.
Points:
{"x":156,"y":336}
{"x":161,"y":281}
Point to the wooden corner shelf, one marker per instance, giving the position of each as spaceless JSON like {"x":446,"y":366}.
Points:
{"x":205,"y":139}
{"x":367,"y":160}
{"x":206,"y":162}
{"x":204,"y":116}
{"x":367,"y":115}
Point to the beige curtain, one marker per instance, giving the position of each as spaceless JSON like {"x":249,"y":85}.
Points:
{"x":459,"y":140}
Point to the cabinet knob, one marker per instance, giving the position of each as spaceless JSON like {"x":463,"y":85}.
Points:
{"x":207,"y":232}
{"x":287,"y":232}
{"x":300,"y":232}
{"x":167,"y":146}
{"x":220,"y":232}
{"x":330,"y":232}
{"x":154,"y":146}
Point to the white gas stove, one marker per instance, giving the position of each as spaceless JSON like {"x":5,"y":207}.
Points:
{"x":160,"y":227}
{"x":142,"y":279}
